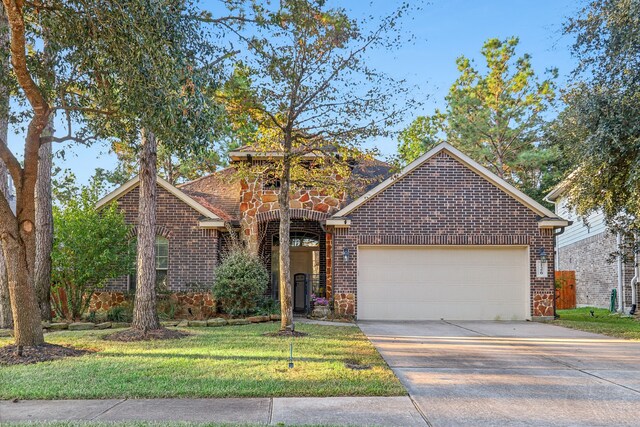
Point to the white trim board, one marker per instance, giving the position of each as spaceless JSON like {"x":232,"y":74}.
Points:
{"x":134,"y":182}
{"x":465,"y":160}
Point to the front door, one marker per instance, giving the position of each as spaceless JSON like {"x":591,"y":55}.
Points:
{"x":301,"y":270}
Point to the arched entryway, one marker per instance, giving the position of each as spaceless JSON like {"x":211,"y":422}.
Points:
{"x":307,"y":260}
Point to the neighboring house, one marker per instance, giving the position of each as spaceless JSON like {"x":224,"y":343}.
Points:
{"x":586,"y":247}
{"x":443,"y":238}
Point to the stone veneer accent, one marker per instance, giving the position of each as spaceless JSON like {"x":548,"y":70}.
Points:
{"x":543,"y":305}
{"x":256,"y":202}
{"x":441,"y":202}
{"x":595,"y":276}
{"x":103,"y":301}
{"x":193,"y":251}
{"x":201,"y":304}
{"x":344,"y":305}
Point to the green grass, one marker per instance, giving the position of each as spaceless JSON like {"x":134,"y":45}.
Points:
{"x":602,"y":322}
{"x":234,"y":361}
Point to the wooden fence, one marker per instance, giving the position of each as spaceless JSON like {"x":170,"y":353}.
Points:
{"x":565,"y":290}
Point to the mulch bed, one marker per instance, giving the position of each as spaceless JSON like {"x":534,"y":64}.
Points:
{"x":286,"y":333}
{"x":130,"y":335}
{"x":41,"y":353}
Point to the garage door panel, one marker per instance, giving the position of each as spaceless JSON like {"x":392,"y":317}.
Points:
{"x":457,"y":283}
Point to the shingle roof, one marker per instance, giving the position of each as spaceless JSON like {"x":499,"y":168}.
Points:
{"x":219,"y":190}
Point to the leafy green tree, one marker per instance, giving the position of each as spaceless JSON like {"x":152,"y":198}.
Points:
{"x":603,"y":110}
{"x":89,"y":248}
{"x":234,"y":129}
{"x":122,"y":70}
{"x":315,"y":100}
{"x":496,"y":117}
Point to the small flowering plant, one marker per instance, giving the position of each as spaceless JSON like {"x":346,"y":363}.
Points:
{"x":319,"y":300}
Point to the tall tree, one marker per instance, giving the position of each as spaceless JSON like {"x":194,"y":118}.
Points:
{"x":603,"y":108}
{"x":44,"y":230}
{"x":145,"y":316}
{"x":496,"y":117}
{"x":315,"y":100}
{"x":103,"y":91}
{"x":234,"y":129}
{"x":5,"y":303}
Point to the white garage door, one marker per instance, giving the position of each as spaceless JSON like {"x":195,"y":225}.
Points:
{"x":453,"y":282}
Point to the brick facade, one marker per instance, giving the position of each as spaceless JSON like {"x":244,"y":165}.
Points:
{"x":193,"y":251}
{"x":442,"y":202}
{"x":595,"y":275}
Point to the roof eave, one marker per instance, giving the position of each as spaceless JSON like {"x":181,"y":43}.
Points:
{"x":132,"y":183}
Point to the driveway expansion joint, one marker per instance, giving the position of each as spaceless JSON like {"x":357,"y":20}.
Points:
{"x":270,"y":420}
{"x":420,"y":411}
{"x":108,"y":409}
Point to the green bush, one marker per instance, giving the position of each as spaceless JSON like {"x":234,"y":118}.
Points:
{"x":120,"y":313}
{"x":267,"y":306}
{"x":240,"y":282}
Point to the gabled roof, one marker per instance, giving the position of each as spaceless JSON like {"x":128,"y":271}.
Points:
{"x":465,"y":160}
{"x":134,"y":182}
{"x":561,"y":188}
{"x":219,"y":192}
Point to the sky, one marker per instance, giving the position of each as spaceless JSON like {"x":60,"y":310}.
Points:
{"x":443,"y":30}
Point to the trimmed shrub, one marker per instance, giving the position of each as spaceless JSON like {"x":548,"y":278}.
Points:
{"x":240,"y":282}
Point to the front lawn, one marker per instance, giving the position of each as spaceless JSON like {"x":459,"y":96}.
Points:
{"x":602,"y":322}
{"x":233,"y":361}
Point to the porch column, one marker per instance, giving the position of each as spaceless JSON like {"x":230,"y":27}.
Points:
{"x":329,"y":264}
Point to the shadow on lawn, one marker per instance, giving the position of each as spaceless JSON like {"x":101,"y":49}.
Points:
{"x":219,"y":357}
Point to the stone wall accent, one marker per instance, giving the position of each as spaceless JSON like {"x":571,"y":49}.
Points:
{"x":344,"y":304}
{"x":194,"y":305}
{"x":189,"y":305}
{"x":103,"y":301}
{"x":543,"y":305}
{"x":441,"y":202}
{"x":257,"y":199}
{"x":193,"y":251}
{"x":595,"y":275}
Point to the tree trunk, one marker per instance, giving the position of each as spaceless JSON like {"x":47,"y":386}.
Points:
{"x":145,"y":316}
{"x":17,"y":231}
{"x":5,"y":303}
{"x":286,"y":299}
{"x":44,"y":230}
{"x":27,"y":326}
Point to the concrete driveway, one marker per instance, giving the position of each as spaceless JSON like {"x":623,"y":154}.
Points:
{"x":512,"y":373}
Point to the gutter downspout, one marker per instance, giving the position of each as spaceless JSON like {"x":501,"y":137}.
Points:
{"x":620,"y":281}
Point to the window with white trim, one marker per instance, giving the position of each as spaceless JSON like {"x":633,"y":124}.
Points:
{"x":162,"y":265}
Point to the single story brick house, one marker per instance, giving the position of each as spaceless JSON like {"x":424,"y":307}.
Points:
{"x":442,"y":239}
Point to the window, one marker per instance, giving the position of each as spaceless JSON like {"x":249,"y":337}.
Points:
{"x":299,"y":239}
{"x":162,"y":265}
{"x":162,"y":261}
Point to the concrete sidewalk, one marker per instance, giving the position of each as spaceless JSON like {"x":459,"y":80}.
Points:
{"x":354,"y":411}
